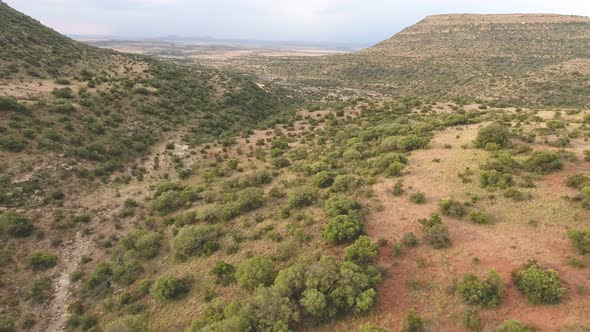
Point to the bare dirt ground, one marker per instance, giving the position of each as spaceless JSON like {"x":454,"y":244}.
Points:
{"x":504,"y":246}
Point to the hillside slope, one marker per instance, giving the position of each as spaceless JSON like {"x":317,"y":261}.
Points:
{"x":532,"y":59}
{"x":76,"y":119}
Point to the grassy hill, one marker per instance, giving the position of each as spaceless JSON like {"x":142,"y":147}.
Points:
{"x":519,"y":59}
{"x":64,"y":103}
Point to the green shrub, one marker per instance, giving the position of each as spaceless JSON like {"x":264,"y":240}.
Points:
{"x":128,"y":323}
{"x":451,"y":207}
{"x":580,"y":239}
{"x":495,"y":179}
{"x":515,"y":194}
{"x":243,"y":201}
{"x":410,"y":240}
{"x":42,"y":260}
{"x":9,"y":103}
{"x":302,"y":196}
{"x":343,"y":183}
{"x":6,"y":323}
{"x":352,"y":154}
{"x":495,"y":134}
{"x":323,"y":179}
{"x":412,"y":142}
{"x":413,"y":322}
{"x":40,"y":290}
{"x":362,"y":252}
{"x":394,"y":169}
{"x":343,"y":228}
{"x":486,"y":293}
{"x":471,"y":320}
{"x":478,"y":217}
{"x":254,"y":272}
{"x":543,"y":162}
{"x":169,"y":287}
{"x":16,"y":224}
{"x":194,"y":240}
{"x":512,"y":325}
{"x":224,"y":273}
{"x":577,"y":181}
{"x":369,"y":327}
{"x":10,"y":143}
{"x":65,"y":93}
{"x":280,"y":162}
{"x":340,"y":205}
{"x":418,"y":198}
{"x":100,"y":280}
{"x":540,"y":286}
{"x":436,"y":234}
{"x":146,"y":243}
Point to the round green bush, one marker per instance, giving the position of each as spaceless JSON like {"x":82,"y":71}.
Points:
{"x":540,"y":286}
{"x":129,"y":323}
{"x":543,"y":162}
{"x":451,"y":207}
{"x":254,"y":272}
{"x":169,"y":287}
{"x":486,"y":293}
{"x":362,"y":252}
{"x":224,"y":273}
{"x":42,"y":260}
{"x":478,"y":217}
{"x":340,"y":205}
{"x":580,"y":239}
{"x":343,"y":228}
{"x":495,"y":133}
{"x":16,"y":224}
{"x":195,"y":240}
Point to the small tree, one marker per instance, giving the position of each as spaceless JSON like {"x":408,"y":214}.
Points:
{"x":16,"y":224}
{"x":451,"y":207}
{"x":362,"y":252}
{"x":413,"y":322}
{"x":495,"y":133}
{"x":436,"y":234}
{"x":540,"y":286}
{"x":254,"y":272}
{"x":486,"y":293}
{"x":342,"y":229}
{"x":340,"y":205}
{"x":42,"y":260}
{"x":512,"y":325}
{"x":169,"y":287}
{"x":224,"y":273}
{"x":194,"y":240}
{"x":580,"y":239}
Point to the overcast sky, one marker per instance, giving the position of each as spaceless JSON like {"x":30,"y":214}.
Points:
{"x":337,"y":21}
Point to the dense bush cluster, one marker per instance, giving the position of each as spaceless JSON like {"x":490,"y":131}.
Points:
{"x":194,"y":240}
{"x":451,"y":207}
{"x":169,"y":287}
{"x":486,"y":293}
{"x":16,"y":224}
{"x":580,"y":239}
{"x":436,"y":233}
{"x":543,"y":162}
{"x":318,"y":292}
{"x":540,"y":286}
{"x":492,"y":137}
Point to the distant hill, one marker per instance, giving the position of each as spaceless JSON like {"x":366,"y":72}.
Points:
{"x":521,"y":58}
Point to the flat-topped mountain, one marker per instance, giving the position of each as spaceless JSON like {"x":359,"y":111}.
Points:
{"x":541,"y":59}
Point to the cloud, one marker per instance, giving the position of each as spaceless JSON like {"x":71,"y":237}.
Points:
{"x":308,"y":20}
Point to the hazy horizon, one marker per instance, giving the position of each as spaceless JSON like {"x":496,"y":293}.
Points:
{"x":335,"y":22}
